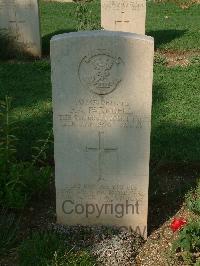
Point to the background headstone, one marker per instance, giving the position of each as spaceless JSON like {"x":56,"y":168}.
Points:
{"x":102,"y":91}
{"x":20,"y":19}
{"x":124,"y":15}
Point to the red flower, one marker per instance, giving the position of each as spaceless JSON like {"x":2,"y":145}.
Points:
{"x":177,"y":224}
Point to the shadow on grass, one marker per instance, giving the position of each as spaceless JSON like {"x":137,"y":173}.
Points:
{"x":29,"y":86}
{"x":165,"y":36}
{"x":46,"y":40}
{"x":169,"y":184}
{"x":175,"y":164}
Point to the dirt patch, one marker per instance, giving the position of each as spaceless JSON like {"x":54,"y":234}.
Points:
{"x":176,"y":58}
{"x":184,"y":4}
{"x":156,"y":250}
{"x":188,"y":4}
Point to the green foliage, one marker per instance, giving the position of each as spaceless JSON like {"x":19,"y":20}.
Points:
{"x":28,"y":83}
{"x":197,"y":263}
{"x":7,"y":139}
{"x":172,"y":27}
{"x":81,"y":258}
{"x":41,"y":151}
{"x":194,"y":205}
{"x":9,"y":226}
{"x":195,"y":60}
{"x":86,"y":18}
{"x":25,"y":181}
{"x":188,"y":242}
{"x":19,"y":181}
{"x":51,"y":249}
{"x":193,"y":200}
{"x":175,"y":114}
{"x":160,"y":59}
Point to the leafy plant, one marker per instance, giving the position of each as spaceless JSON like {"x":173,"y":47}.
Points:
{"x":188,"y":242}
{"x":50,"y":248}
{"x":194,"y":205}
{"x":193,"y":199}
{"x":82,"y":258}
{"x":41,"y":155}
{"x":9,"y":226}
{"x":85,"y":17}
{"x":19,"y":181}
{"x":7,"y":140}
{"x":25,"y":181}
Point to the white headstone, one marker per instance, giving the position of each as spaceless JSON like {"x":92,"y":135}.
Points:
{"x":102,"y":91}
{"x":20,"y":18}
{"x":123,"y":15}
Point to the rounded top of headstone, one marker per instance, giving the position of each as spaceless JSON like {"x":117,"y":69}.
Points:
{"x":103,"y":33}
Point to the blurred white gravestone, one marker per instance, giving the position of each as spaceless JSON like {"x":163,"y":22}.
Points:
{"x":102,"y":91}
{"x":124,"y":15}
{"x":20,"y":19}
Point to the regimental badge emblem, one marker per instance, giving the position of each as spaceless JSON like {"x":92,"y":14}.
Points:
{"x":100,"y":72}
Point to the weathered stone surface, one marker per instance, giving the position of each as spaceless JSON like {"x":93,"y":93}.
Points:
{"x":20,"y":18}
{"x":123,"y":15}
{"x":102,"y":91}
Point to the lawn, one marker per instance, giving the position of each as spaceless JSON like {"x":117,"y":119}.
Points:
{"x":175,"y":117}
{"x":172,"y":27}
{"x":175,"y":135}
{"x":175,"y":122}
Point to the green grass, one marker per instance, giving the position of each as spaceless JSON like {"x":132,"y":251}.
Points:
{"x":57,"y":18}
{"x":9,"y":229}
{"x":172,"y":27}
{"x":28,"y":83}
{"x":193,"y":199}
{"x":175,"y":117}
{"x":51,"y":249}
{"x":175,"y":123}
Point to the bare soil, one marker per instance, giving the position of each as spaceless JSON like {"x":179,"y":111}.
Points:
{"x":178,"y":58}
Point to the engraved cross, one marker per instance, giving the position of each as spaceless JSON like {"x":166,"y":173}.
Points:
{"x":14,"y":21}
{"x":101,"y":149}
{"x":123,"y":20}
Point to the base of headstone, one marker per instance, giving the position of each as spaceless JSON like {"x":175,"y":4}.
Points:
{"x":20,"y":18}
